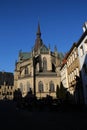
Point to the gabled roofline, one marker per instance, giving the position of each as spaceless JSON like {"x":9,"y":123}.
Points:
{"x":74,"y":45}
{"x":81,"y":38}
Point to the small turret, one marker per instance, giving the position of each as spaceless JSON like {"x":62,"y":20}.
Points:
{"x":55,"y":48}
{"x":55,"y":51}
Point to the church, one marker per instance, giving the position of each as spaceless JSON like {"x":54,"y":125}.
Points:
{"x":39,"y":70}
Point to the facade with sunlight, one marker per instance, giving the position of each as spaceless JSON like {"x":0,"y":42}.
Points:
{"x":38,"y":70}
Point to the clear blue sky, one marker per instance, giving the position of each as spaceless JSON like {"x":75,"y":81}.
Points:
{"x":61,"y":24}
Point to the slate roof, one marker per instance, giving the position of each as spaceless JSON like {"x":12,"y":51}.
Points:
{"x":6,"y":77}
{"x":81,"y":38}
{"x":24,"y":55}
{"x":44,"y":49}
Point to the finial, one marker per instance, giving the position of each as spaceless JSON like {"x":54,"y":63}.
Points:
{"x":55,"y":48}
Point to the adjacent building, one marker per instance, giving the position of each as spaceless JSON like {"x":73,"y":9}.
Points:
{"x":70,"y":70}
{"x":6,"y":85}
{"x":74,"y":69}
{"x":63,"y":73}
{"x":82,"y":52}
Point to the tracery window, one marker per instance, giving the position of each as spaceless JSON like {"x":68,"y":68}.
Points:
{"x":52,"y":88}
{"x":26,"y":70}
{"x":40,"y":87}
{"x":44,"y":64}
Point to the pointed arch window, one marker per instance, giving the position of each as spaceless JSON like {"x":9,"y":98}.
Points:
{"x":26,"y":70}
{"x":40,"y":87}
{"x":44,"y":64}
{"x":53,"y":67}
{"x":52,"y":88}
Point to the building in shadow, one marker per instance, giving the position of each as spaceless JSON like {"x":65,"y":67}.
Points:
{"x":6,"y":85}
{"x":74,"y":69}
{"x":82,"y":52}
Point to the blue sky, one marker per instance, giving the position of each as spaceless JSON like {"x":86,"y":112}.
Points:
{"x":61,"y":24}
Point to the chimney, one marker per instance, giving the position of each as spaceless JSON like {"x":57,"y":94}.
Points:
{"x":85,"y":27}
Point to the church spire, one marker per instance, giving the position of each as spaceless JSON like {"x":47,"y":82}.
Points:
{"x":38,"y":31}
{"x":38,"y":41}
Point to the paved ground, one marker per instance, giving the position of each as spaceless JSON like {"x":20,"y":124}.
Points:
{"x":12,"y":119}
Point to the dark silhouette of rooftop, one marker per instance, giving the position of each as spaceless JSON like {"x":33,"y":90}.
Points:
{"x":7,"y":78}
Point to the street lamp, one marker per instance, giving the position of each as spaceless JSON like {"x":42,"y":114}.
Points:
{"x":40,"y":93}
{"x":34,"y":69}
{"x":35,"y":61}
{"x":49,"y":92}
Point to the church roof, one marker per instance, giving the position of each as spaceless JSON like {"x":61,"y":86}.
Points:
{"x":44,"y":49}
{"x":24,"y":55}
{"x":6,"y":77}
{"x":39,"y":45}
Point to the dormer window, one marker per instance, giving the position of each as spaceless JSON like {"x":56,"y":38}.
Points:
{"x":85,"y":26}
{"x":81,"y":50}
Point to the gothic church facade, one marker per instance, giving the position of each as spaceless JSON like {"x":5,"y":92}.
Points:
{"x":39,"y":70}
